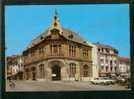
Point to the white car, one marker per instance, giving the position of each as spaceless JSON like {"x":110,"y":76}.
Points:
{"x":120,"y":79}
{"x":103,"y":81}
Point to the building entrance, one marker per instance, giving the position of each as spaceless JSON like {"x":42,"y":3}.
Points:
{"x":56,"y":72}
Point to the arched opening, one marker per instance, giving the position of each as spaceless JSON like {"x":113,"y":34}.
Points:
{"x":27,"y":74}
{"x":85,"y":71}
{"x":56,"y":72}
{"x":72,"y":67}
{"x":41,"y":71}
{"x":33,"y":73}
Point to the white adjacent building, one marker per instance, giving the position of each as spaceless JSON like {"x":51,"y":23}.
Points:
{"x":95,"y":68}
{"x":107,"y":60}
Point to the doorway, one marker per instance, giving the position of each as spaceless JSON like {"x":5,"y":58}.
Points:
{"x":56,"y":72}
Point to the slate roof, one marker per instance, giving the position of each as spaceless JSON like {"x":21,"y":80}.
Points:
{"x":65,"y":32}
{"x":105,"y":46}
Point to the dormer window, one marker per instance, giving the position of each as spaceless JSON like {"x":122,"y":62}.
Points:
{"x":107,"y":50}
{"x":84,"y":42}
{"x":55,"y":33}
{"x":41,"y":37}
{"x":70,"y":36}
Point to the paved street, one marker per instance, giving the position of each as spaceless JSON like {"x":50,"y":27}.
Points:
{"x":60,"y":86}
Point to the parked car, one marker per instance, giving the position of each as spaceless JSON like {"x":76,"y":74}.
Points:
{"x":124,"y":81}
{"x":103,"y":81}
{"x":120,"y":80}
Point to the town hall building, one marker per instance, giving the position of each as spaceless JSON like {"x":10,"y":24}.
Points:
{"x":58,"y":54}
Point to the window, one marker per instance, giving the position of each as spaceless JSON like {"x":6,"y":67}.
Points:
{"x":51,"y":49}
{"x":98,"y":49}
{"x":85,"y":52}
{"x":72,"y":69}
{"x":40,"y":50}
{"x":55,"y":49}
{"x":115,"y":62}
{"x":102,"y":67}
{"x":111,"y":63}
{"x":55,"y":32}
{"x":72,"y":50}
{"x":111,"y":68}
{"x":41,"y":37}
{"x":32,"y":53}
{"x":102,"y":49}
{"x":107,"y":61}
{"x":107,"y":50}
{"x":106,"y":68}
{"x":70,"y":36}
{"x":115,"y":68}
{"x":42,"y":72}
{"x":60,"y":51}
{"x":85,"y":71}
{"x":44,"y":49}
{"x":102,"y":60}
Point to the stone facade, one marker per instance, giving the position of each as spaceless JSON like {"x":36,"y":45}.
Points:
{"x":58,"y":54}
{"x":61,"y":54}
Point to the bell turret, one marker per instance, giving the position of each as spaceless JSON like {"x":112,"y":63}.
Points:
{"x":56,"y":23}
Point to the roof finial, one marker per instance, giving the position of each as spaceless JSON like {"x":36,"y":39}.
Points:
{"x":56,"y":15}
{"x":56,"y":12}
